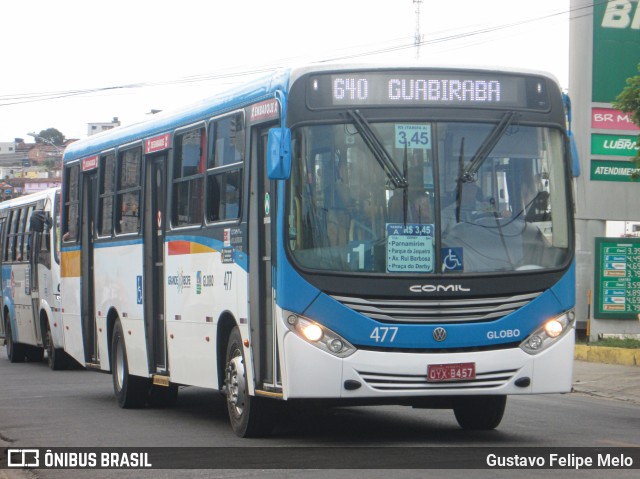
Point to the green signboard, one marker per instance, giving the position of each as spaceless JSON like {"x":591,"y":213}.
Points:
{"x":617,"y":278}
{"x":606,"y":170}
{"x":616,"y":47}
{"x":613,"y":145}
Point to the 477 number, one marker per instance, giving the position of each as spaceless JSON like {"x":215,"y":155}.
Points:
{"x":384,"y":334}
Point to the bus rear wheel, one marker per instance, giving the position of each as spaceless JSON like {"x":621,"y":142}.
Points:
{"x":15,"y":351}
{"x":131,"y":391}
{"x":479,"y":413}
{"x":56,"y":358}
{"x":250,"y":416}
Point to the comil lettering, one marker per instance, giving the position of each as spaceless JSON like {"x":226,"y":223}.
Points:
{"x":619,"y":15}
{"x":432,"y":288}
{"x":445,"y":90}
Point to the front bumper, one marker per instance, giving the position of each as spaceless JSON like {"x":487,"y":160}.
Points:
{"x":313,"y":373}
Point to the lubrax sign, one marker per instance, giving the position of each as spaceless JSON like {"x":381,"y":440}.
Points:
{"x":614,"y":145}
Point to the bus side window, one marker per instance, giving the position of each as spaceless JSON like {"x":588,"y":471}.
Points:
{"x":26,"y":234}
{"x":15,"y":222}
{"x":224,"y":168}
{"x":8,"y":249}
{"x":71,"y":203}
{"x":107,"y":190}
{"x":188,"y":192}
{"x":128,"y":194}
{"x":223,"y":192}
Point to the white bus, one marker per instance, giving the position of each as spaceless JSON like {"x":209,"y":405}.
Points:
{"x":30,"y":258}
{"x":265,"y":243}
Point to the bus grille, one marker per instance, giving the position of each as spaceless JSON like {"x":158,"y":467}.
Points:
{"x":405,"y":382}
{"x":437,"y":311}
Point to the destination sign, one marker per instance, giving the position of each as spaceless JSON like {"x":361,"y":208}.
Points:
{"x":428,"y":88}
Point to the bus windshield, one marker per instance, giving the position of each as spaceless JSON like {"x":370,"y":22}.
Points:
{"x":475,"y":198}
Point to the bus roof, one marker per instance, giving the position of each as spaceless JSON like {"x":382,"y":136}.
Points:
{"x":30,"y":198}
{"x":262,"y":88}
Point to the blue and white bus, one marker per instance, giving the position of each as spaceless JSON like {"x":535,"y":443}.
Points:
{"x":348,"y":234}
{"x":30,"y":258}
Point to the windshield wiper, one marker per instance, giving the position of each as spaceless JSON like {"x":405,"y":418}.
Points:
{"x":487,"y":146}
{"x":377,"y":148}
{"x":460,"y":181}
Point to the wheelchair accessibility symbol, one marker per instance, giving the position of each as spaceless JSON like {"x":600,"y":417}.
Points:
{"x":452,"y":259}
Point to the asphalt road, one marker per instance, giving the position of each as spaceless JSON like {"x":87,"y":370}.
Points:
{"x":41,"y":408}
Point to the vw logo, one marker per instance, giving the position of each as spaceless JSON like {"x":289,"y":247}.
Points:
{"x":439,"y":334}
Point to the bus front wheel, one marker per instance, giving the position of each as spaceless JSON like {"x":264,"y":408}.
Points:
{"x":479,"y":413}
{"x":131,"y":391}
{"x":250,"y":416}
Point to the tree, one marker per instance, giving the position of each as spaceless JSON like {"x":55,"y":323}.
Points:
{"x":52,"y":135}
{"x":629,"y":102}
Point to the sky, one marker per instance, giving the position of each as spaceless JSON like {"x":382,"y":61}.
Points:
{"x":72,"y":62}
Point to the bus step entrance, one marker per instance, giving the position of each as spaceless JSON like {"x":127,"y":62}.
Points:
{"x":160,"y":380}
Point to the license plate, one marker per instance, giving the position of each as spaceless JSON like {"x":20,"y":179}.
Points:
{"x":451,"y":372}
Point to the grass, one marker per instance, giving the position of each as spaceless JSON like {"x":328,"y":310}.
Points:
{"x":615,"y":343}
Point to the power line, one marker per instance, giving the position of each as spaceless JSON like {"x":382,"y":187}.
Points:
{"x":23,"y":98}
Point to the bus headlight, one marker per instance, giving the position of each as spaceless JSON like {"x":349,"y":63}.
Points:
{"x":548,"y":333}
{"x":311,"y":331}
{"x":320,"y":336}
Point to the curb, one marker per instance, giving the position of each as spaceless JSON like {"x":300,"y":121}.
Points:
{"x":603,"y":354}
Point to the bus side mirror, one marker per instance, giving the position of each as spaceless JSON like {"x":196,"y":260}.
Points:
{"x":575,"y":159}
{"x":279,"y":154}
{"x":40,"y":221}
{"x":573,"y":148}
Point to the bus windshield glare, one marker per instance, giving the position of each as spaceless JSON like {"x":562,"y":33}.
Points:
{"x":500,"y":204}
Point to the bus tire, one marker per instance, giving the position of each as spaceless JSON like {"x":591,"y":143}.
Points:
{"x":250,"y":416}
{"x":479,"y":413}
{"x":15,"y":351}
{"x":56,"y":357}
{"x":131,"y":391}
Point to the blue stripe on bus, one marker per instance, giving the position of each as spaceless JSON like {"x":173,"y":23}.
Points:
{"x":8,"y":299}
{"x":111,"y":244}
{"x":565,"y":289}
{"x":294,"y":293}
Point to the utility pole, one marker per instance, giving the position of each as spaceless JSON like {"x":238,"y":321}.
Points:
{"x":417,"y":39}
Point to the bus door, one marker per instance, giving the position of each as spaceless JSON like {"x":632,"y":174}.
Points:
{"x":39,"y":256}
{"x":34,"y":241}
{"x":87,"y":307}
{"x":153,"y":280}
{"x":262,"y":257}
{"x":2,"y":244}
